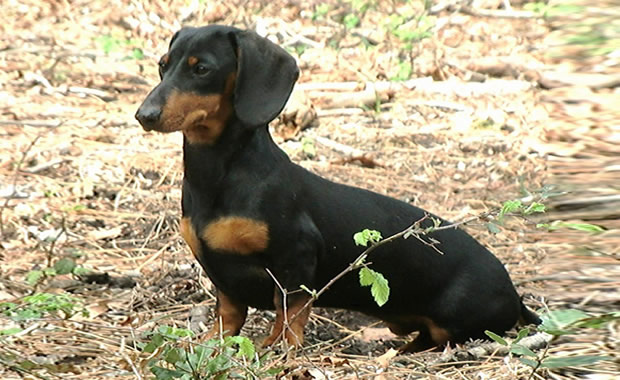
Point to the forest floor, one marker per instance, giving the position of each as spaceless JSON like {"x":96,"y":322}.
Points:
{"x":455,"y":108}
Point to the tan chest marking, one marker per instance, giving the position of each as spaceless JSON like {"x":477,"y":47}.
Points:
{"x":237,"y":234}
{"x":189,"y":235}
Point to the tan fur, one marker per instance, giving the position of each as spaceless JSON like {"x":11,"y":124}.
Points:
{"x":230,"y":317}
{"x":192,"y":61}
{"x":189,"y":235}
{"x":438,"y":334}
{"x":296,"y":318}
{"x":202,"y":118}
{"x":237,"y":234}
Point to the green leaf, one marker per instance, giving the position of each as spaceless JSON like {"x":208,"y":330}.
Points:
{"x":521,"y":334}
{"x":246,"y":347}
{"x":307,"y":146}
{"x":367,"y":276}
{"x":534,"y":208}
{"x":584,"y":227}
{"x":81,"y":271}
{"x":165,"y":373}
{"x":573,"y":361}
{"x":404,"y":71}
{"x":137,"y":53}
{"x":34,"y":276}
{"x":529,"y":362}
{"x":157,"y":340}
{"x":149,"y":347}
{"x":351,"y":21}
{"x":320,"y":11}
{"x":27,"y":364}
{"x":567,"y":316}
{"x":555,"y":322}
{"x":496,"y":337}
{"x":380,"y":289}
{"x":493,"y":228}
{"x":508,"y":207}
{"x":365,"y":236}
{"x":64,"y":266}
{"x":173,"y":355}
{"x":521,"y":350}
{"x":599,"y":321}
{"x":11,"y":331}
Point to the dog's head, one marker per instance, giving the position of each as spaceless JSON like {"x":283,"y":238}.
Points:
{"x":213,"y":73}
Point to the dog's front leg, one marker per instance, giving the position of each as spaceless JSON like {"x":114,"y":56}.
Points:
{"x":230,"y":316}
{"x":290,"y":321}
{"x":296,"y":265}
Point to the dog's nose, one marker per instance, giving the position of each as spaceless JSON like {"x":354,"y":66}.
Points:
{"x":148,"y":116}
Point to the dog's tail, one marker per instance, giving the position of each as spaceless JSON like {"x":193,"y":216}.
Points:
{"x":528,"y":316}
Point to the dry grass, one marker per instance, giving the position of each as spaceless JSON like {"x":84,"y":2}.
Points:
{"x":74,"y":165}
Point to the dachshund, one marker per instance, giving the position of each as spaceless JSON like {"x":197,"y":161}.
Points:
{"x":253,"y":218}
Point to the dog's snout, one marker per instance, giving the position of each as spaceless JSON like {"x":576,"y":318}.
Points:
{"x":148,"y":116}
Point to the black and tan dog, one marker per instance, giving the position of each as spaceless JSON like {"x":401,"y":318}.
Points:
{"x":248,"y":208}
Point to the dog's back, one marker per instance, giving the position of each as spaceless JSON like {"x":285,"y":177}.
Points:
{"x":456,"y":282}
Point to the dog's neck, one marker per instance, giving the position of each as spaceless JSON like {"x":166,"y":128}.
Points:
{"x":242,"y":147}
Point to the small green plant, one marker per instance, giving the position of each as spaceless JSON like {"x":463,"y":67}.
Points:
{"x":307,"y":146}
{"x":110,"y":44}
{"x":404,"y":71}
{"x":556,"y":323}
{"x":514,"y":207}
{"x":351,"y":20}
{"x":320,"y":11}
{"x":62,"y":266}
{"x":174,"y":357}
{"x":40,"y":304}
{"x":409,"y":29}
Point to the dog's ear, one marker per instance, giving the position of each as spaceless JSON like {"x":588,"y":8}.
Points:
{"x":266,"y":74}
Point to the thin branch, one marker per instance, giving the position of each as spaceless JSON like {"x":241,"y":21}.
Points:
{"x":285,"y":325}
{"x":15,"y":176}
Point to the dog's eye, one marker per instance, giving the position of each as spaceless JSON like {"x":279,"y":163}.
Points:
{"x":163,"y":65}
{"x":201,"y":70}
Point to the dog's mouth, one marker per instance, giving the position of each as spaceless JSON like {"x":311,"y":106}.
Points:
{"x":201,"y":118}
{"x":189,"y":113}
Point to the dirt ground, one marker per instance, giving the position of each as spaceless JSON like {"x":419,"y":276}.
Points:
{"x":456,"y":109}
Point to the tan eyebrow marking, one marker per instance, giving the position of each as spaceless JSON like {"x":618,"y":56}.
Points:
{"x":192,"y":61}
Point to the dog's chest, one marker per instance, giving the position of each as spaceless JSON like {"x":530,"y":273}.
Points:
{"x":229,"y":252}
